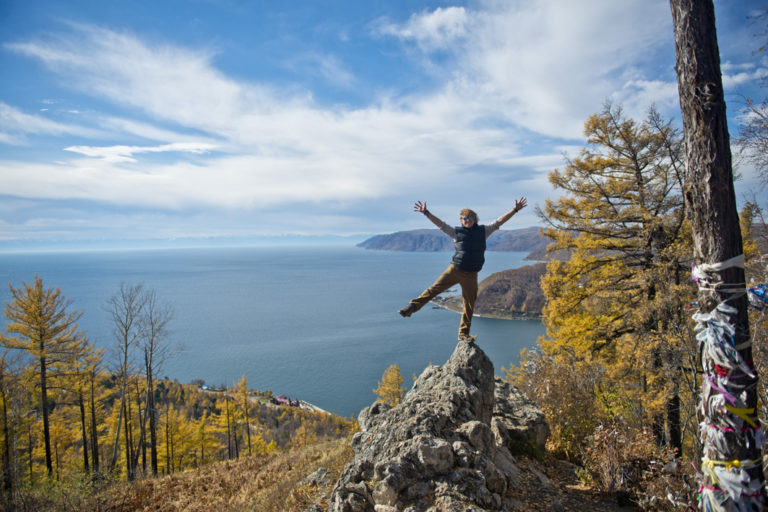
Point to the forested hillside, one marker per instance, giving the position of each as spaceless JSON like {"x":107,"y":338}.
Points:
{"x":513,"y":293}
{"x":67,"y":419}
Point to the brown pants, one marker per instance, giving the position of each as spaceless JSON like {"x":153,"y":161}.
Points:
{"x":453,"y":275}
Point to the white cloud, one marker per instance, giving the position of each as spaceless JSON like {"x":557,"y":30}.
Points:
{"x":636,"y":96}
{"x":549,"y":64}
{"x":167,"y":82}
{"x":146,"y":130}
{"x":16,"y":125}
{"x":117,"y":154}
{"x":431,"y":30}
{"x":735,"y":75}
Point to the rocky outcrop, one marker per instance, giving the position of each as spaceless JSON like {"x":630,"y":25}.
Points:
{"x":449,"y":445}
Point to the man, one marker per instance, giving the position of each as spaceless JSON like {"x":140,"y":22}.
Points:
{"x":469,"y":239}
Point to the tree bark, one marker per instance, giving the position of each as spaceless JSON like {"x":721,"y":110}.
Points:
{"x":81,"y":403}
{"x":94,"y":429}
{"x":152,"y":413}
{"x":7,"y":471}
{"x":673,"y":423}
{"x":730,"y":429}
{"x":229,"y":428}
{"x":29,"y":455}
{"x":128,"y":439}
{"x":44,"y":407}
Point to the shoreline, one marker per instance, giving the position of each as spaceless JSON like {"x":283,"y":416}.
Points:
{"x":452,"y":303}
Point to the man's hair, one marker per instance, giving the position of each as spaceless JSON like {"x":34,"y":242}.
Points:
{"x":466,"y":212}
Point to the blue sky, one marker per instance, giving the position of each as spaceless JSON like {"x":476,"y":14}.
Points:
{"x":144,"y":120}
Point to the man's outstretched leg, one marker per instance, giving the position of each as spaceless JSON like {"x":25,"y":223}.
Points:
{"x":447,"y":279}
{"x":468,"y":282}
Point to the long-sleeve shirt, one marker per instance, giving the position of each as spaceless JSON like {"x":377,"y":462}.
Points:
{"x":451,"y":232}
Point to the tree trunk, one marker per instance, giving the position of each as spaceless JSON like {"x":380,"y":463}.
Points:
{"x":229,"y":427}
{"x":731,"y":429}
{"x":674,"y":430}
{"x":116,"y":445}
{"x":56,"y":452}
{"x":94,"y":432}
{"x":128,"y":439}
{"x":7,"y":472}
{"x":168,"y":460}
{"x":247,"y":422}
{"x":141,"y":446}
{"x":152,"y":434}
{"x":152,"y":414}
{"x":44,"y":407}
{"x":29,"y":453}
{"x":81,"y":402}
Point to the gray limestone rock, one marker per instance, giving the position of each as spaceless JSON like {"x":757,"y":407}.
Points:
{"x":446,"y":446}
{"x":517,"y":421}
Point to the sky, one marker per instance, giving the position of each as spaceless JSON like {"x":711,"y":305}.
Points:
{"x":138,"y":121}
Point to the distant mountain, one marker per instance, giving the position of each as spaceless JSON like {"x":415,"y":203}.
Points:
{"x":433,"y":240}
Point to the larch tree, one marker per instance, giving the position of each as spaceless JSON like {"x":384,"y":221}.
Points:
{"x":9,"y":386}
{"x":390,"y":388}
{"x":615,"y":297}
{"x":91,"y":367}
{"x":40,"y":324}
{"x":244,"y":400}
{"x":732,"y":461}
{"x":76,"y":384}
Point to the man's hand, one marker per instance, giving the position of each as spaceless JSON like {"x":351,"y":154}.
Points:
{"x":420,"y":207}
{"x":519,"y":204}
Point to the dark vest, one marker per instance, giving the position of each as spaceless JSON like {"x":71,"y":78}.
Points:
{"x":470,"y":248}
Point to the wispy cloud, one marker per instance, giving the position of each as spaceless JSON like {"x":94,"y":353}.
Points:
{"x":277,"y":146}
{"x":325,"y":66}
{"x":117,"y":154}
{"x":16,"y":125}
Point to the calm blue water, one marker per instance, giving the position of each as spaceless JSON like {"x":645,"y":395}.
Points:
{"x":315,"y":323}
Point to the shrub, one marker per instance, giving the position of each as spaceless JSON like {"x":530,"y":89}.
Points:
{"x":627,"y":460}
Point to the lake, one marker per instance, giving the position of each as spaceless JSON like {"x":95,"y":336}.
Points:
{"x":316,"y":323}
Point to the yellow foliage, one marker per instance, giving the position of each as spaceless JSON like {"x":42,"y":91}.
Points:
{"x":616,"y":306}
{"x":390,"y":388}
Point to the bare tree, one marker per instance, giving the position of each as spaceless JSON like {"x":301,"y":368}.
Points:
{"x":140,"y":323}
{"x":752,"y":139}
{"x":125,"y":308}
{"x":733,"y":479}
{"x":156,"y":318}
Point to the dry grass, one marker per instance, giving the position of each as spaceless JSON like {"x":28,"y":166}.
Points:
{"x":264,"y":483}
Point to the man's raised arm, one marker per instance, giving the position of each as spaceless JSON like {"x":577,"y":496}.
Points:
{"x":445,"y":228}
{"x":519,"y":205}
{"x":422,"y":208}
